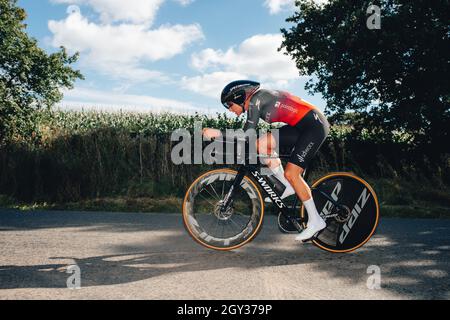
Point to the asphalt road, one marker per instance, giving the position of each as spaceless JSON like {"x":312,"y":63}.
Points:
{"x":150,"y":256}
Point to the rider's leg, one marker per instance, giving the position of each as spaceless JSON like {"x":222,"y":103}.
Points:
{"x":266,"y":145}
{"x":314,"y":131}
{"x":315,"y":222}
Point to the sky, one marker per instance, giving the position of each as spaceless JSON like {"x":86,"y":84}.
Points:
{"x":167,"y":55}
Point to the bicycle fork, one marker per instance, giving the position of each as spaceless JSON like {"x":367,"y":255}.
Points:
{"x":228,"y":200}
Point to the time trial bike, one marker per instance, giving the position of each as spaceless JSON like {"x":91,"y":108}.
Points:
{"x":224,"y":209}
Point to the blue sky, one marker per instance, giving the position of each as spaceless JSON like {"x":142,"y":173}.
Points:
{"x":166,"y":55}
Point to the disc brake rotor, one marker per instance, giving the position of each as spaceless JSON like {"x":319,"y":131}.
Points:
{"x":223,"y":215}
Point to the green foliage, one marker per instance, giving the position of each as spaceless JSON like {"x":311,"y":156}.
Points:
{"x":395,"y":78}
{"x":84,"y":155}
{"x":29,"y":77}
{"x":81,"y":156}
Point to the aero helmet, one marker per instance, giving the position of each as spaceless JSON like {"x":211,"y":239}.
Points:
{"x":238,"y":92}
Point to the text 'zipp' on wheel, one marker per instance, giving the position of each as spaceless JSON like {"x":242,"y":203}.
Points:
{"x":207,"y":222}
{"x":353,"y":223}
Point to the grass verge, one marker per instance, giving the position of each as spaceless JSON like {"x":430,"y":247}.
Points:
{"x":174,"y":205}
{"x":121,"y":204}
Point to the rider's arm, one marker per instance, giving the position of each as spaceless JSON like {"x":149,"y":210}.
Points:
{"x":253,"y":113}
{"x":212,"y":133}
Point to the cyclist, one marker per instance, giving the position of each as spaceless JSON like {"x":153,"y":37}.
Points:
{"x":305,"y":131}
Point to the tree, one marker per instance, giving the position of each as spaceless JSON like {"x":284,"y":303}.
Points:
{"x":29,"y":77}
{"x":393,"y":78}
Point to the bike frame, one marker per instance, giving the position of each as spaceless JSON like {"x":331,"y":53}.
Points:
{"x":253,"y":171}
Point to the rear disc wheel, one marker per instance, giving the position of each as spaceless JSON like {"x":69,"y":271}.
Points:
{"x":355,"y":222}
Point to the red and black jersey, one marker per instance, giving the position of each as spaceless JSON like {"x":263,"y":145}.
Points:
{"x":276,"y":106}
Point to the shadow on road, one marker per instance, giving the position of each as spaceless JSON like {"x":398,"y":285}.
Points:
{"x":413,"y":254}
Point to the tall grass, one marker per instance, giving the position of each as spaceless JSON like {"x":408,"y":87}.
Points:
{"x":78,"y":156}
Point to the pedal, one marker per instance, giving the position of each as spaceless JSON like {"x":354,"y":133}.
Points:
{"x":287,"y":226}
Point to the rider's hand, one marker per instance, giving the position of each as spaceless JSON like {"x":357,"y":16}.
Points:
{"x":211,"y":133}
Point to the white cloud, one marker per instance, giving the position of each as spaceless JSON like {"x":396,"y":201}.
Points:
{"x":120,"y":49}
{"x":210,"y":85}
{"x":277,"y":6}
{"x":112,"y":101}
{"x":185,"y":2}
{"x":135,"y":11}
{"x":255,"y":58}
